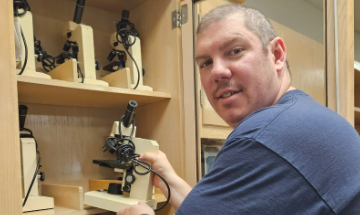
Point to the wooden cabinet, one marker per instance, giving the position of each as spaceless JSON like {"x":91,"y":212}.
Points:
{"x":70,"y":121}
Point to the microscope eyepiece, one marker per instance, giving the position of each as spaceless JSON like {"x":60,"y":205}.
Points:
{"x":22,"y":115}
{"x":125,"y":15}
{"x":130,"y":113}
{"x":79,"y":11}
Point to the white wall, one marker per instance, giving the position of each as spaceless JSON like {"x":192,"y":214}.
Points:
{"x":298,"y":15}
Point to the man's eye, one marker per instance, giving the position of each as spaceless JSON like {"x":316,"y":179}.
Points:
{"x":235,"y":51}
{"x":206,"y":63}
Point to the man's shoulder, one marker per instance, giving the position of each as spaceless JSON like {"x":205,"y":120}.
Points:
{"x":254,"y":124}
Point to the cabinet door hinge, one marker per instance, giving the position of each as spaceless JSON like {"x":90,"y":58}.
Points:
{"x":201,"y":97}
{"x":179,"y":17}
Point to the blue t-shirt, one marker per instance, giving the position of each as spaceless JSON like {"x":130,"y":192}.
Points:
{"x":295,"y":157}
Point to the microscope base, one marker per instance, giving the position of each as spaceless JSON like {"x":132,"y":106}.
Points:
{"x":38,"y":203}
{"x":34,"y":74}
{"x":112,"y":202}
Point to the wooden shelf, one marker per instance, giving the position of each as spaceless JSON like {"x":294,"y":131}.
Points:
{"x":57,"y":92}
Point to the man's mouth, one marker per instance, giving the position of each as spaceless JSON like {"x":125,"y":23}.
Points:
{"x":228,"y":94}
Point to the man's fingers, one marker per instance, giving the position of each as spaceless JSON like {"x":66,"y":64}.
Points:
{"x":148,"y":157}
{"x":142,"y":203}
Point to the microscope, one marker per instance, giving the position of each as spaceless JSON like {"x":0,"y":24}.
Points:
{"x":32,"y":201}
{"x":125,"y":43}
{"x":23,"y":16}
{"x":80,"y":40}
{"x":137,"y":175}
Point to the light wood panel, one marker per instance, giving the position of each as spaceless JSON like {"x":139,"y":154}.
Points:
{"x":10,"y":186}
{"x":306,"y":58}
{"x":57,"y":92}
{"x":346,"y":58}
{"x":330,"y":55}
{"x":189,"y":95}
{"x":215,"y":132}
{"x":65,"y":196}
{"x":345,"y":29}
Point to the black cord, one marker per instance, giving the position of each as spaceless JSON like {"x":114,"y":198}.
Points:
{"x":26,"y":53}
{"x":38,"y":163}
{"x":125,"y":33}
{"x":148,"y":167}
{"x":22,"y":34}
{"x":125,"y":152}
{"x":81,"y":73}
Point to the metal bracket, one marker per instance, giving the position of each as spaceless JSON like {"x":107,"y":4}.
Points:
{"x":179,"y":17}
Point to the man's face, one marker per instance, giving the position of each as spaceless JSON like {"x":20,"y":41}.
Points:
{"x":237,"y":75}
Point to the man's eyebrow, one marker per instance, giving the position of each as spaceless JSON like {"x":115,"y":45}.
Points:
{"x":200,"y":57}
{"x":235,"y":37}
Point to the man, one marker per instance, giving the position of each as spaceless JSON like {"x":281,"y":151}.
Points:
{"x":287,"y":154}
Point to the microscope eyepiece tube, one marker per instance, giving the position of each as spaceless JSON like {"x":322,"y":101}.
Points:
{"x":22,"y":115}
{"x":79,"y":11}
{"x":130,"y":113}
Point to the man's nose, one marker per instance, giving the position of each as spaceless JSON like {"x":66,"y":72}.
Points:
{"x":220,"y":71}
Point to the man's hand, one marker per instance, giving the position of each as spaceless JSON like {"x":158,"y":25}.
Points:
{"x":160,"y":164}
{"x":140,"y":209}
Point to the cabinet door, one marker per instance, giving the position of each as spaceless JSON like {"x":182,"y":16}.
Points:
{"x":208,"y":114}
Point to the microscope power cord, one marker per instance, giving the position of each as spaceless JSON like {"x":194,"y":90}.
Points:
{"x":127,"y":44}
{"x":26,"y":52}
{"x":22,"y":34}
{"x":125,"y":152}
{"x":38,"y":163}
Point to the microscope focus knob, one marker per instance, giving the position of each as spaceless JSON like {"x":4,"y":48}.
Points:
{"x":130,"y":179}
{"x":114,"y":188}
{"x":41,"y":176}
{"x":97,"y":65}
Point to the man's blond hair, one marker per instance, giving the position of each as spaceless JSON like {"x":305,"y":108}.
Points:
{"x":255,"y":21}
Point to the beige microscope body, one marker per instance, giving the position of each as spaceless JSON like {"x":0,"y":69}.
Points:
{"x":141,"y":188}
{"x":26,"y":22}
{"x":83,"y":35}
{"x":29,"y":164}
{"x":135,"y":51}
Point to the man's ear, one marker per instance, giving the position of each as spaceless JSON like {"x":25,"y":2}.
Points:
{"x":278,"y":50}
